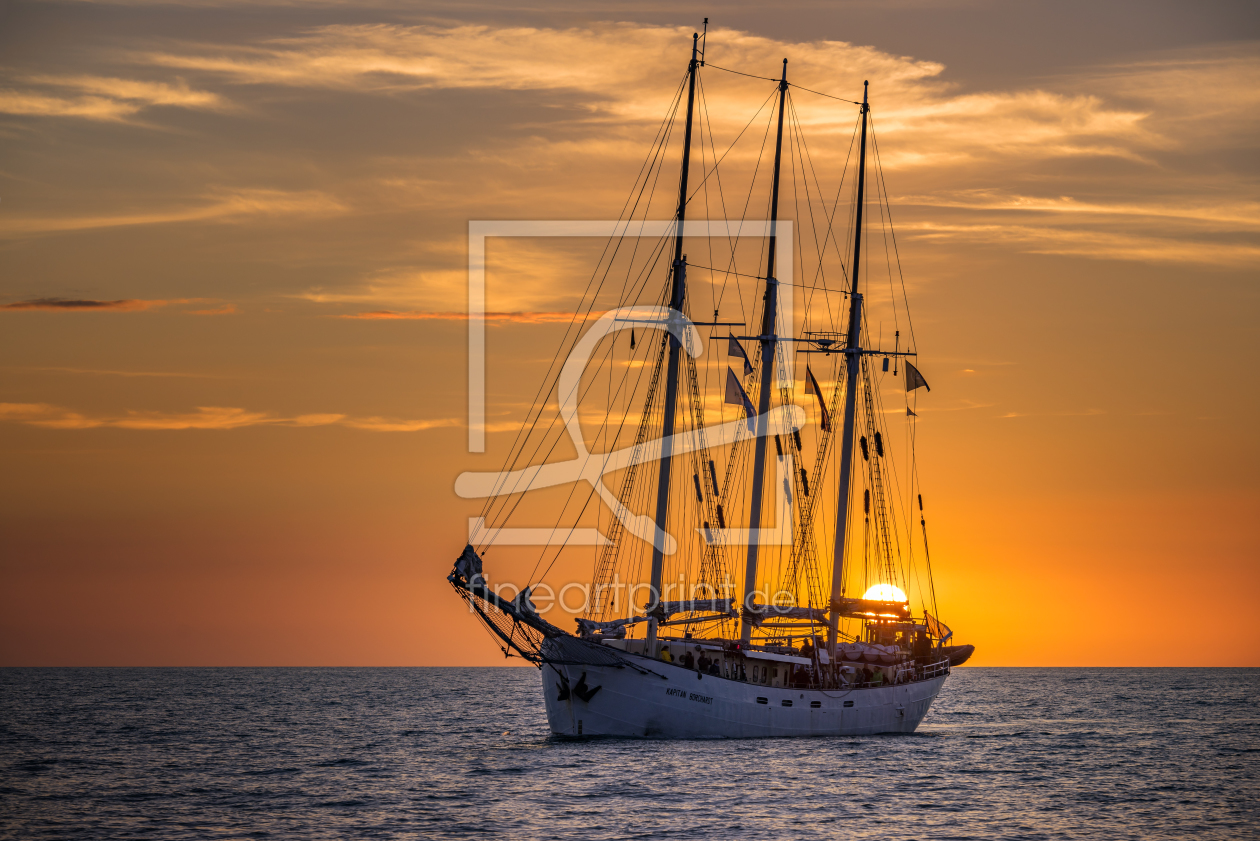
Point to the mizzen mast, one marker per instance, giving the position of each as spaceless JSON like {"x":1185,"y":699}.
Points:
{"x":769,"y":340}
{"x":678,"y":295}
{"x":852,"y":364}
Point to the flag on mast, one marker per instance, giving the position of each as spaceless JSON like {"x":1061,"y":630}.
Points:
{"x":734,"y":348}
{"x":937,"y":628}
{"x":914,"y":379}
{"x":736,"y":395}
{"x":811,"y":387}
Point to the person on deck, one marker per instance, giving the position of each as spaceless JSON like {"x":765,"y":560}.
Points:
{"x":879,"y":677}
{"x":807,"y":649}
{"x":688,"y":661}
{"x":866,"y":676}
{"x":665,"y":655}
{"x":714,"y":669}
{"x":922,"y":646}
{"x":704,"y":662}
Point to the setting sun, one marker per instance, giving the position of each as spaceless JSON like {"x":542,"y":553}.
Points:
{"x":885,"y":593}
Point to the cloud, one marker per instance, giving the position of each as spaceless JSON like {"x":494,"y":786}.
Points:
{"x":235,"y":206}
{"x":107,"y":372}
{"x":522,"y":275}
{"x":388,"y":425}
{"x":1063,"y":148}
{"x":89,"y":107}
{"x":501,"y":317}
{"x":1092,"y":243}
{"x":48,"y":416}
{"x":1081,"y":163}
{"x":385,"y":57}
{"x":102,"y":97}
{"x":1235,"y":214}
{"x":121,"y":305}
{"x":1086,"y":413}
{"x":206,"y":417}
{"x":84,"y":305}
{"x":226,"y":309}
{"x":25,"y":411}
{"x":1182,"y":89}
{"x":616,"y":70}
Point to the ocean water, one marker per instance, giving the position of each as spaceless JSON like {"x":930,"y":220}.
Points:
{"x":457,"y":753}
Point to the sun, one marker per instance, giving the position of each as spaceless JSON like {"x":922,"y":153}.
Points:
{"x":885,"y":593}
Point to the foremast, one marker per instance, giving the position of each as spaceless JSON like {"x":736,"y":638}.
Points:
{"x":852,"y":364}
{"x":769,"y":344}
{"x":678,"y":294}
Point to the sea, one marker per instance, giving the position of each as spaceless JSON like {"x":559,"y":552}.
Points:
{"x":465,"y":753}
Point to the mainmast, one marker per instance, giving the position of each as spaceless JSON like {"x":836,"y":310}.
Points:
{"x":852,"y":363}
{"x":678,"y":294}
{"x":769,"y":341}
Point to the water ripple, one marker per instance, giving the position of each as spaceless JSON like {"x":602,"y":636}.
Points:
{"x":453,"y":753}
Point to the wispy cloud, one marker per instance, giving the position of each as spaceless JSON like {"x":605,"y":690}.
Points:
{"x":1084,"y":413}
{"x":226,"y":309}
{"x":1092,"y":243}
{"x":1133,"y":117}
{"x":616,"y":68}
{"x":523,"y":278}
{"x":385,"y":57}
{"x":120,"y":305}
{"x":1242,"y":215}
{"x":513,"y":317}
{"x":233,"y":206}
{"x":112,"y":373}
{"x":101,"y":97}
{"x":1082,"y":162}
{"x":84,"y":305}
{"x":205,"y":417}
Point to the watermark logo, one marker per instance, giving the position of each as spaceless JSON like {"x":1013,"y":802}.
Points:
{"x":591,"y":467}
{"x":618,"y":597}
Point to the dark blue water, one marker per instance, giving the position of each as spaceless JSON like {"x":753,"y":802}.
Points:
{"x":420,"y":753}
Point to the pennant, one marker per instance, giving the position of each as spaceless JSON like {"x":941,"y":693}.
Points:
{"x":632,"y":338}
{"x":914,"y":379}
{"x":734,"y":348}
{"x":811,"y":387}
{"x":736,"y":395}
{"x":910,"y":413}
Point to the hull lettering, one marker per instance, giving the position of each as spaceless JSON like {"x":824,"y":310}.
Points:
{"x":690,"y":696}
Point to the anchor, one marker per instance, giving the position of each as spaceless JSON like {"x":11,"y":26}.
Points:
{"x":582,"y":691}
{"x":562,"y":688}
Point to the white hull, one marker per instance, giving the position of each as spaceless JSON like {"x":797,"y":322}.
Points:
{"x":671,"y":702}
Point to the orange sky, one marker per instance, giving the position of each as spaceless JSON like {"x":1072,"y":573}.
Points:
{"x":208,"y":458}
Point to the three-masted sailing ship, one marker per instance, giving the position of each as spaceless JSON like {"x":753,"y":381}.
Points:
{"x":833,"y":627}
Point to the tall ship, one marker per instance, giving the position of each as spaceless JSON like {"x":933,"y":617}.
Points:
{"x":745,"y":484}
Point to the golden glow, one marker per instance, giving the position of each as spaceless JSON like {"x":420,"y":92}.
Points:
{"x":885,"y":593}
{"x":233,"y":390}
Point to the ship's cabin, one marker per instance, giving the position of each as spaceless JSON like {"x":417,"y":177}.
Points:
{"x":886,"y":652}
